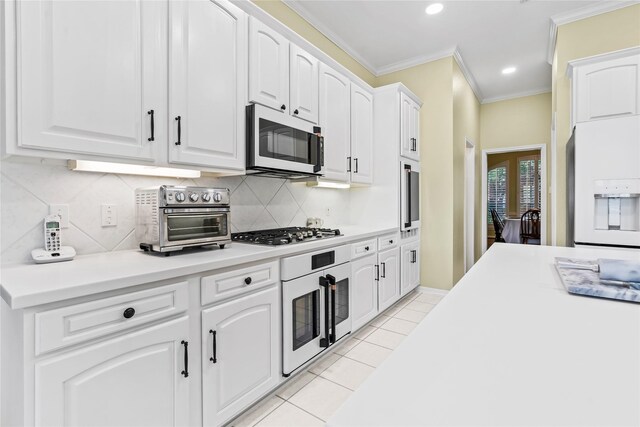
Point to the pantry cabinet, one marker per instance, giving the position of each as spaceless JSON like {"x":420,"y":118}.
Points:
{"x":92,"y":77}
{"x":389,"y":274}
{"x":240,"y":353}
{"x":136,"y":379}
{"x":335,"y":118}
{"x":409,"y":128}
{"x":410,"y":258}
{"x":361,"y":135}
{"x":303,"y":89}
{"x":364,"y":290}
{"x":268,"y":66}
{"x":208,"y":79}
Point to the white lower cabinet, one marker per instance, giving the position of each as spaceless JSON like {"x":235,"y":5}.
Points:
{"x":410,"y":254}
{"x":388,"y":285}
{"x":240,"y":354}
{"x":364,"y":291}
{"x":133,"y":380}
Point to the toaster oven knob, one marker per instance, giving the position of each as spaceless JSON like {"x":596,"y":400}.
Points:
{"x":206,"y":197}
{"x":193,"y":197}
{"x":217,"y":197}
{"x":180,"y":196}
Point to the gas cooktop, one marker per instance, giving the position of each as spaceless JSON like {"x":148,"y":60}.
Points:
{"x":284,"y":236}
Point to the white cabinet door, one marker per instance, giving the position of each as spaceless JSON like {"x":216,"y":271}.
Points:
{"x":409,"y":127}
{"x":410,"y":275}
{"x":334,"y":118}
{"x":132,"y":380}
{"x":208,"y":78}
{"x":245,"y":364}
{"x":415,"y":126}
{"x":361,"y":135}
{"x":268,"y":66}
{"x":389,"y":288}
{"x":364,"y":291}
{"x":608,"y":89}
{"x":304,"y":85}
{"x":89,"y":73}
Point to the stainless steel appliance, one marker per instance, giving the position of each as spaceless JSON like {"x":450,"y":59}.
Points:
{"x":280,"y":145}
{"x":284,"y":236}
{"x":316,"y":310}
{"x":170,"y":218}
{"x":409,"y":195}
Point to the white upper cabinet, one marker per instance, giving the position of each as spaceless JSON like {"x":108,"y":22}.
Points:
{"x":334,"y":119}
{"x":268,"y":66}
{"x":409,"y":128}
{"x":303,"y":91}
{"x":89,"y":76}
{"x":208,"y":79}
{"x":606,"y":88}
{"x":361,"y":135}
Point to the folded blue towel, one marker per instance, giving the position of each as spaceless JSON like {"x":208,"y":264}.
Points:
{"x":619,"y":270}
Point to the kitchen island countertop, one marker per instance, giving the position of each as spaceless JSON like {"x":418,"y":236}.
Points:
{"x":510,"y":347}
{"x":30,"y":285}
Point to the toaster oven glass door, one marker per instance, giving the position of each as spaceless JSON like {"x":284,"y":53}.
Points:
{"x":196,"y":228}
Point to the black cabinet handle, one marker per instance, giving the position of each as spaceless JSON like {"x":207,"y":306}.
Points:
{"x":295,"y":111}
{"x":186,"y":358}
{"x":366,"y":248}
{"x":129,"y":312}
{"x":179,"y":120}
{"x":414,"y":256}
{"x":377,"y":272}
{"x":384,"y":270}
{"x":391,"y":242}
{"x":247,"y":280}
{"x":214,"y":358}
{"x":348,"y":164}
{"x":283,"y":107}
{"x":150,"y":112}
{"x":356,"y":160}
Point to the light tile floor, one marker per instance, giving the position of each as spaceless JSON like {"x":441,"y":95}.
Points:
{"x":312,"y":396}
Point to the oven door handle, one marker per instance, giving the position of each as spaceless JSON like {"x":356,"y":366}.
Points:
{"x":324,"y":283}
{"x":407,"y":169}
{"x":332,"y":282}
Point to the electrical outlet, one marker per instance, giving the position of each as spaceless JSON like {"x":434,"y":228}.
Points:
{"x":109,"y":215}
{"x":328,"y":213}
{"x":63,"y":212}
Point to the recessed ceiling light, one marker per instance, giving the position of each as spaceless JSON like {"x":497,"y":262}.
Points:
{"x":509,"y":70}
{"x":434,"y":8}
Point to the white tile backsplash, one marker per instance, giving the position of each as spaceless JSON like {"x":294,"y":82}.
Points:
{"x":28,"y":186}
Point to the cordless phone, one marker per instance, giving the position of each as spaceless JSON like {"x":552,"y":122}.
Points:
{"x":53,"y":250}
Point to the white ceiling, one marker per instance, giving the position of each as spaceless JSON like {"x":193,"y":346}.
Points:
{"x":388,"y":35}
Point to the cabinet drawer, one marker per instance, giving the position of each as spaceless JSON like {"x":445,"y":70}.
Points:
{"x":361,"y":249}
{"x":388,"y":241}
{"x":230,"y":283}
{"x":74,"y":324}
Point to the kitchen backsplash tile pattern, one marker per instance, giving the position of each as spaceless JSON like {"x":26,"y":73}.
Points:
{"x":29,"y":186}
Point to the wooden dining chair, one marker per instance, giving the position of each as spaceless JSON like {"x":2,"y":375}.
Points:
{"x":498,"y":225}
{"x":530,"y":226}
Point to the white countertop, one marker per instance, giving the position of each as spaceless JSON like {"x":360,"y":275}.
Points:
{"x":510,"y":347}
{"x":30,"y":285}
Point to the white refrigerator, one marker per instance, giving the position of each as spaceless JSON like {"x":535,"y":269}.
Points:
{"x":603,"y":183}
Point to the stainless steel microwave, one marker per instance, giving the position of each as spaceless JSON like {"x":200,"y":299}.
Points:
{"x":282,"y":145}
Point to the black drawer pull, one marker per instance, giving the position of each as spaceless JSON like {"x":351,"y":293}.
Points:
{"x":247,"y":280}
{"x":150,"y":112}
{"x":283,"y":107}
{"x":186,"y":358}
{"x":129,"y":312}
{"x":295,"y":112}
{"x":179,"y":120}
{"x":391,"y":242}
{"x":366,"y":248}
{"x":214,"y":358}
{"x":356,"y":169}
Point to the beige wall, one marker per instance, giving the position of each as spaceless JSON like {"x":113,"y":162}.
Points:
{"x":291,"y":19}
{"x":604,"y":33}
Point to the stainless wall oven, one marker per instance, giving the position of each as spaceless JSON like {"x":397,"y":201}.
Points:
{"x":315,"y":304}
{"x":171,"y":218}
{"x":409,"y":195}
{"x":282,"y":145}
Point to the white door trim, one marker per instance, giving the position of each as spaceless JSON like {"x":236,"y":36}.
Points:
{"x":469,"y":203}
{"x":543,"y":184}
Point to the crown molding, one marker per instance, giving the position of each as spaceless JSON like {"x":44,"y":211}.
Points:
{"x":333,"y":37}
{"x":538,"y":91}
{"x":412,"y":62}
{"x":467,"y":75}
{"x":577,"y":15}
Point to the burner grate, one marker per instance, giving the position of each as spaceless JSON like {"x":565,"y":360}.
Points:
{"x":284,"y":236}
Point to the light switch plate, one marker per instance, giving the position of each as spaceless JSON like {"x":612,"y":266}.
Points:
{"x":109,"y":215}
{"x":63,"y":212}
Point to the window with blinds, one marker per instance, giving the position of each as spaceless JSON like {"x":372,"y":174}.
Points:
{"x":529,"y":183}
{"x":497,"y":190}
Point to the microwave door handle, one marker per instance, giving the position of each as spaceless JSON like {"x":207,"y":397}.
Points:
{"x":332,"y":282}
{"x":407,"y":169}
{"x":319,"y":152}
{"x":324,"y":283}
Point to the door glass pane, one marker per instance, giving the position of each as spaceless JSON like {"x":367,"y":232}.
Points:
{"x":342,"y":301}
{"x":183,"y":227}
{"x":306,"y":318}
{"x":415,"y":196}
{"x":286,"y":143}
